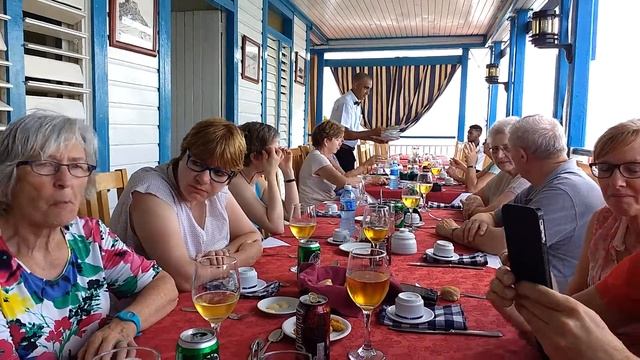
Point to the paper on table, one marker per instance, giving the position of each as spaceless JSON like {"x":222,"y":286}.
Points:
{"x":494,"y":261}
{"x":273,"y":242}
{"x":462,"y":197}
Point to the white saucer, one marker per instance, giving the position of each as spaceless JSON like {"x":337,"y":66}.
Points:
{"x":454,"y":257}
{"x":289,"y":325}
{"x":331,"y":241}
{"x":426,"y":316}
{"x":259,"y":286}
{"x":278,"y":305}
{"x":358,"y":218}
{"x":418,"y":224}
{"x":348,"y":247}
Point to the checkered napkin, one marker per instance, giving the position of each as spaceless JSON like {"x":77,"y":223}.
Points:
{"x":477,"y":259}
{"x":439,"y":205}
{"x":447,"y":317}
{"x":268,"y":291}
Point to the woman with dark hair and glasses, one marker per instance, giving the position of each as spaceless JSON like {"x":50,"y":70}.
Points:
{"x":178,"y":211}
{"x":57,"y":271}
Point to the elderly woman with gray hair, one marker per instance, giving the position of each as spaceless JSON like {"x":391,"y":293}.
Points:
{"x":57,"y":270}
{"x":566,"y":195}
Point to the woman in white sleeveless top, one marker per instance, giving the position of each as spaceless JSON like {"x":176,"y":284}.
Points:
{"x":178,"y":211}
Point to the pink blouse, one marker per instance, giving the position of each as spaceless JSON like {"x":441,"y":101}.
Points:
{"x":608,"y":240}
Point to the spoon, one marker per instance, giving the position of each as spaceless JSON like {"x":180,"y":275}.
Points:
{"x":236,"y":316}
{"x":275,"y":336}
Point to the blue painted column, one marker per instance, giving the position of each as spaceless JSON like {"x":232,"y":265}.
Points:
{"x":582,"y":39}
{"x":16,"y":96}
{"x":462,"y":107}
{"x":164,"y":59}
{"x":517,"y":47}
{"x":319,"y":87}
{"x":562,"y":66}
{"x":492,"y":106}
{"x":307,"y":98}
{"x":99,"y":81}
{"x":231,"y":61}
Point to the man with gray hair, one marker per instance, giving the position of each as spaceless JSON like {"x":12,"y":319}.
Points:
{"x":566,"y":195}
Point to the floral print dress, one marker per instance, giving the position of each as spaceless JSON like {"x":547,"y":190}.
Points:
{"x":52,"y":319}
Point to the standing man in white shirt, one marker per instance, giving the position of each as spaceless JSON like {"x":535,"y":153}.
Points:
{"x":473,"y":140}
{"x":347,"y":111}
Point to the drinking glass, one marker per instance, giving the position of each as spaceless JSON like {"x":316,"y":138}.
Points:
{"x":411,"y":199}
{"x":131,"y":352}
{"x":302,"y":221}
{"x":286,"y":355}
{"x":367,"y":283}
{"x":216,"y":288}
{"x":436,"y":169}
{"x":375,"y":222}
{"x":425,"y":184}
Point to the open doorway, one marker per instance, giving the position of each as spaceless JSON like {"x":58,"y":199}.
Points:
{"x":197,"y":65}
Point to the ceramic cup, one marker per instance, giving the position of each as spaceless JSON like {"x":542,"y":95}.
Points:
{"x":412,"y":218}
{"x":409,"y":305}
{"x":332,"y":208}
{"x":248,"y":277}
{"x":340,"y":235}
{"x":443,"y":249}
{"x":448,"y":181}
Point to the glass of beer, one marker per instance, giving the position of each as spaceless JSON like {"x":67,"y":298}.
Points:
{"x":216,"y":288}
{"x":367,"y":283}
{"x":376,"y":223}
{"x":302,"y":221}
{"x":411,"y":199}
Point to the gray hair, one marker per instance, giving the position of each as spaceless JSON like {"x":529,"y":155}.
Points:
{"x":540,"y":136}
{"x":501,"y":127}
{"x":36,"y":136}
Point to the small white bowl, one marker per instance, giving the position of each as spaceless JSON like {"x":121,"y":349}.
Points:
{"x":409,"y":305}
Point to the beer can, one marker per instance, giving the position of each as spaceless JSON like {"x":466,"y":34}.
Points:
{"x":197,"y":344}
{"x":308,"y":253}
{"x":313,"y":326}
{"x":397,"y":209}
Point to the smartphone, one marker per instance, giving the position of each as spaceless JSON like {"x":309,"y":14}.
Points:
{"x":526,"y":243}
{"x":429,"y":296}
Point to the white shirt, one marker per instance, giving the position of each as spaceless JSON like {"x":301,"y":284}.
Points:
{"x":313,"y":188}
{"x":346,"y":113}
{"x":481,"y":155}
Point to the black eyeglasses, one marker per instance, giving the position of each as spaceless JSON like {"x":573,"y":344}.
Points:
{"x":630,"y":170}
{"x":49,"y":167}
{"x":496,"y":148}
{"x":216,"y":174}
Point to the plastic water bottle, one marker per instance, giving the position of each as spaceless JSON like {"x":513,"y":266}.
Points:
{"x":348,"y":202}
{"x":394,"y":176}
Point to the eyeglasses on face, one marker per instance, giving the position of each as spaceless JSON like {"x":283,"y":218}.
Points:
{"x":494,"y":149}
{"x":50,"y":167}
{"x":216,"y":174}
{"x":629,"y":170}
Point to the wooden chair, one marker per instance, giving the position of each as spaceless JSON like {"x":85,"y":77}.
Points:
{"x":298,"y":158}
{"x":97,"y":206}
{"x":306,"y":149}
{"x":585,"y":167}
{"x":364,"y":152}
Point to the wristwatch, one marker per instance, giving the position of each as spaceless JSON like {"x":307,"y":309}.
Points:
{"x":470,"y":166}
{"x":128,"y":315}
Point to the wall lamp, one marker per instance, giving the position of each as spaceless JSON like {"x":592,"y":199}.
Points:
{"x":544,"y":32}
{"x":493,"y":75}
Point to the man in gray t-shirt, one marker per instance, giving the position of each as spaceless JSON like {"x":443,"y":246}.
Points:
{"x":566,"y":195}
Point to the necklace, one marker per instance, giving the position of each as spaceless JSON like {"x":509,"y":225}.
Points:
{"x":245,"y":178}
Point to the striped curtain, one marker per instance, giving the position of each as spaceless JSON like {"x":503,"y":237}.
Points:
{"x":401,"y":95}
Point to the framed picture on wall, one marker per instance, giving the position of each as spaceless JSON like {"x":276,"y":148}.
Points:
{"x":133,"y":25}
{"x":300,"y":68}
{"x":250,"y":59}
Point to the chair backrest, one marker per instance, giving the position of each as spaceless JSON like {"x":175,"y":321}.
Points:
{"x":306,"y":149}
{"x":364,"y":152}
{"x":97,"y":205}
{"x":381,"y":150}
{"x":298,"y":158}
{"x":585,"y":167}
{"x":459,"y":152}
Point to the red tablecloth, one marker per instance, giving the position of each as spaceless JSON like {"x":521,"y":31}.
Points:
{"x":446,"y":196}
{"x":237,"y":335}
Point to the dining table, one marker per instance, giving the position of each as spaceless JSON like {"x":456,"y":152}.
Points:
{"x":445,"y":196}
{"x":235,"y":336}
